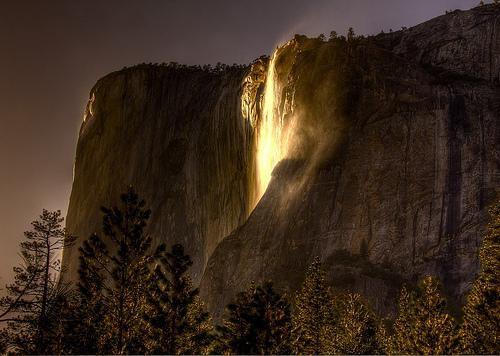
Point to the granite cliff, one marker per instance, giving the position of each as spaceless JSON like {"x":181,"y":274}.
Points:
{"x":177,"y":135}
{"x":378,"y":154}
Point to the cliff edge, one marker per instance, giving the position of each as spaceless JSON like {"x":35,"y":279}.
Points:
{"x":384,"y":155}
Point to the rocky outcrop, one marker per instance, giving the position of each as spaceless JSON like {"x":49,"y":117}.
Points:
{"x":389,"y":148}
{"x":461,"y":43}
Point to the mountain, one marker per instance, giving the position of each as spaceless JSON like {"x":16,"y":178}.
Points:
{"x":378,"y":154}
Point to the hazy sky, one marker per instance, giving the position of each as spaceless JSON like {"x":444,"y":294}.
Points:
{"x":53,"y":51}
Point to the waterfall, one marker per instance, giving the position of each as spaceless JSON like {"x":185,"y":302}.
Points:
{"x":270,"y":113}
{"x":269,"y":150}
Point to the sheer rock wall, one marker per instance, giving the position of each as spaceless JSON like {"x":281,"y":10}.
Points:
{"x":392,"y":162}
{"x":177,"y":135}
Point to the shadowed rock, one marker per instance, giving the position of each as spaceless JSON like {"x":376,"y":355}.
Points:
{"x":393,"y":160}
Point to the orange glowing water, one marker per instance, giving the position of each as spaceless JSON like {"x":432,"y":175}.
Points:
{"x":269,"y":148}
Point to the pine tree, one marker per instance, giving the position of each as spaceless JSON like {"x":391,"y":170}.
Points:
{"x":178,"y":322}
{"x":351,"y":36}
{"x":314,"y":316}
{"x":383,"y":335}
{"x":233,"y":336}
{"x":258,"y":322}
{"x":423,"y":325}
{"x":333,"y":35}
{"x":84,"y":328}
{"x":33,"y":302}
{"x":114,"y":279}
{"x":479,"y":333}
{"x":397,"y":341}
{"x":355,"y":333}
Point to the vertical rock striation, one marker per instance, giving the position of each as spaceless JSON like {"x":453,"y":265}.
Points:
{"x":177,"y":135}
{"x":393,"y":160}
{"x":388,"y":147}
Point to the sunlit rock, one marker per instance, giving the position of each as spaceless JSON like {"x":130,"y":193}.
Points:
{"x":379,"y":155}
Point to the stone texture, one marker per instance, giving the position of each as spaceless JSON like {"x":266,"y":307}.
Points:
{"x":393,"y":162}
{"x":176,"y":135}
{"x":443,"y":43}
{"x":399,"y":190}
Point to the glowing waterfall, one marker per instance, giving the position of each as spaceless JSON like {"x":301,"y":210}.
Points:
{"x":269,"y":150}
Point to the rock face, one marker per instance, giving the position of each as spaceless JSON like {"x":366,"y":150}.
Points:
{"x":388,"y":147}
{"x":177,"y":135}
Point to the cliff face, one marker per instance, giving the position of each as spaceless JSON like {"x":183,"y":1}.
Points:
{"x":175,"y":134}
{"x":397,"y":158}
{"x":386,"y":152}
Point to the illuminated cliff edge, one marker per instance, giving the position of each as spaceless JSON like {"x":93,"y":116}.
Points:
{"x":177,"y":135}
{"x":268,"y":104}
{"x":386,"y":132}
{"x":397,"y":200}
{"x":268,"y":135}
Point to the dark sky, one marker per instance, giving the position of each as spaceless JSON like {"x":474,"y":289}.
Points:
{"x":52,"y":52}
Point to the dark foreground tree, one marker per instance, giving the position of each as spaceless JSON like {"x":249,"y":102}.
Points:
{"x":34,"y":303}
{"x":423,"y":325}
{"x":176,"y":316}
{"x":314,"y":313}
{"x":258,"y":322}
{"x":480,"y":330}
{"x":114,"y":278}
{"x":85,"y":326}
